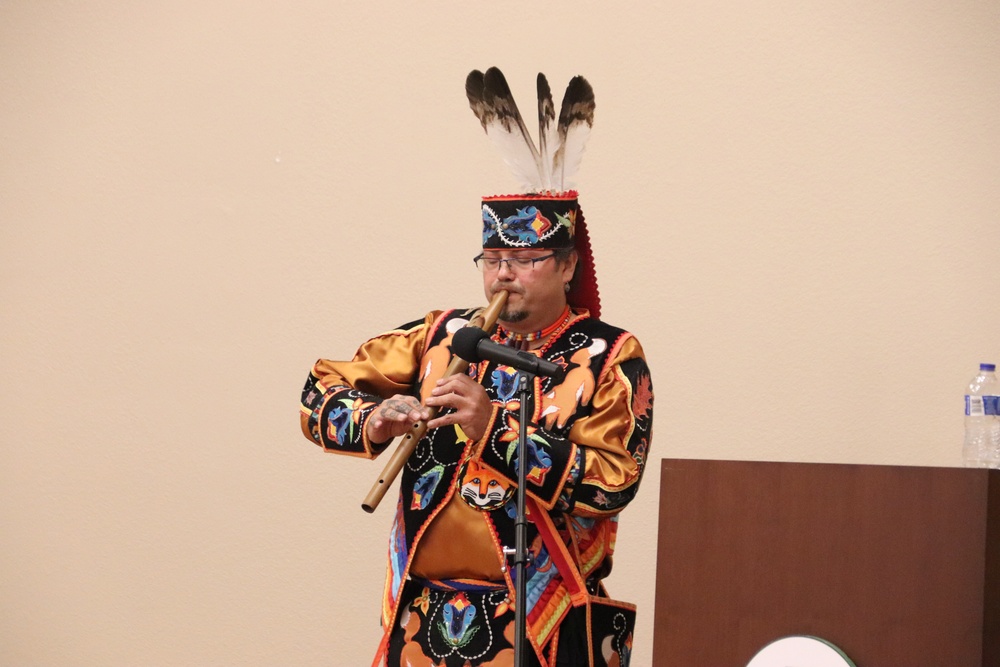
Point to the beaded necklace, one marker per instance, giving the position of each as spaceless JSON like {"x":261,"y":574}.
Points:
{"x":521,"y":341}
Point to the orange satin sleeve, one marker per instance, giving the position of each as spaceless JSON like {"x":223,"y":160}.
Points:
{"x":384,"y":365}
{"x":605,"y":431}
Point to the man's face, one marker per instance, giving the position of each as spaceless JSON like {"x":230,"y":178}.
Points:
{"x":536,"y":292}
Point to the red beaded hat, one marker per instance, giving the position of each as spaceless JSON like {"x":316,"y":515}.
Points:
{"x":548,"y":214}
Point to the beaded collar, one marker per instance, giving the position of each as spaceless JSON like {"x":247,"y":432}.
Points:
{"x":520,"y":340}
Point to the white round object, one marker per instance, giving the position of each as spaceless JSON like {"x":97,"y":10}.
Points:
{"x":800,"y":651}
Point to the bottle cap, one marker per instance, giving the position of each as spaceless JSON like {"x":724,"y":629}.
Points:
{"x":987,"y":367}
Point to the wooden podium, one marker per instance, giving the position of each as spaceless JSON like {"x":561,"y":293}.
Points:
{"x":897,"y":566}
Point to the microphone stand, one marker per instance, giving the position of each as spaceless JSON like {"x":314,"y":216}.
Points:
{"x":521,"y":558}
{"x":474,"y":345}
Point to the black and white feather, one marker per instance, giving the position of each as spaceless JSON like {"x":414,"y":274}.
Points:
{"x":553,"y":165}
{"x":576,"y":118}
{"x":548,"y":132}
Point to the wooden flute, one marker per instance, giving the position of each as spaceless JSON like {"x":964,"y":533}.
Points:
{"x":484,"y":319}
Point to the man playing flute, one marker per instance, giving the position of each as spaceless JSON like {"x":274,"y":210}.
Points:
{"x":449,"y":592}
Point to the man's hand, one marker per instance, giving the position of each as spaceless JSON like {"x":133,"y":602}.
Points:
{"x":394,"y":417}
{"x":472,"y":406}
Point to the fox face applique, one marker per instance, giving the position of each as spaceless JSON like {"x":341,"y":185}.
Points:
{"x":482,"y":488}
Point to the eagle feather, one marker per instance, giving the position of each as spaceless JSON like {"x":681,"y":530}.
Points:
{"x":553,"y":165}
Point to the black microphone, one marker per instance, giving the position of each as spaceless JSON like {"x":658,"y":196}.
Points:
{"x":474,"y":345}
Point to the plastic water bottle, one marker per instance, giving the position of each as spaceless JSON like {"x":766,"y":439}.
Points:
{"x":982,"y":420}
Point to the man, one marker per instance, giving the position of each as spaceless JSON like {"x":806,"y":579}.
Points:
{"x":449,"y":593}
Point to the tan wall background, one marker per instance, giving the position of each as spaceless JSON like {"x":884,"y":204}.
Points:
{"x":793,"y":205}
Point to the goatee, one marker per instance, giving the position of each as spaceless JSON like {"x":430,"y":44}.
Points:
{"x":513,"y":315}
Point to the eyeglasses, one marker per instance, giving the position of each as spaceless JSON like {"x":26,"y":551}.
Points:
{"x":521,"y":264}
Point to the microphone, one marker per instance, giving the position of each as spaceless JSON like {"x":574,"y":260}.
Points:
{"x":473,"y":345}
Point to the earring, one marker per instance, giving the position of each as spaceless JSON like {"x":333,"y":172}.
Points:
{"x":566,"y":287}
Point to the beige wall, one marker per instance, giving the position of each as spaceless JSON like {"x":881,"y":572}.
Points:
{"x":794,"y":205}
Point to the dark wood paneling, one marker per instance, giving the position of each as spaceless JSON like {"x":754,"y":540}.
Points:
{"x":889,"y":563}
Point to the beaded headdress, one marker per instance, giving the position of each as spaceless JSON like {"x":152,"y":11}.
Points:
{"x":547,"y":214}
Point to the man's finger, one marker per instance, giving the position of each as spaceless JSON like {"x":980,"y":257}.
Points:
{"x":443,"y":420}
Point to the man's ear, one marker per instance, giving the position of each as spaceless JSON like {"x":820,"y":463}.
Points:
{"x":569,"y":269}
